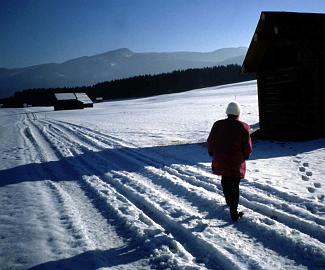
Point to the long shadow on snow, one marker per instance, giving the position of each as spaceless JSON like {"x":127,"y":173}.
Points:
{"x":94,"y":259}
{"x":101,"y":162}
{"x":135,"y":159}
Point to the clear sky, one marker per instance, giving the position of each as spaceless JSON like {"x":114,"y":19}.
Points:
{"x":42,"y":31}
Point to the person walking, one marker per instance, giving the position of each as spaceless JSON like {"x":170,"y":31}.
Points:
{"x":230,"y":145}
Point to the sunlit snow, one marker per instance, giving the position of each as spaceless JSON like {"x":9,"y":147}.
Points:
{"x":127,"y":185}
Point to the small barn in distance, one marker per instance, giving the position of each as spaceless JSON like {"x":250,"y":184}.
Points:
{"x":84,"y":99}
{"x":287,"y":52}
{"x":71,"y":101}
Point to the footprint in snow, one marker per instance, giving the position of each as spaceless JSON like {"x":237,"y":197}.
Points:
{"x":305,"y":178}
{"x":309,"y":173}
{"x":305,"y":164}
{"x":302,"y":169}
{"x":296,"y":161}
{"x":311,"y":189}
{"x":317,"y":185}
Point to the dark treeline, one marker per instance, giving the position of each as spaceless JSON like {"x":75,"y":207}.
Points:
{"x":139,"y":86}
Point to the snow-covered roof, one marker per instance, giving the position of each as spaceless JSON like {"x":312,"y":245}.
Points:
{"x":64,"y":96}
{"x":82,"y":97}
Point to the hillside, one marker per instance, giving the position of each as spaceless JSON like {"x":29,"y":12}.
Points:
{"x":138,"y":86}
{"x":112,"y":65}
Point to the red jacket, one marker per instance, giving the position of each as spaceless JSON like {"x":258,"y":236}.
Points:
{"x":230,"y":145}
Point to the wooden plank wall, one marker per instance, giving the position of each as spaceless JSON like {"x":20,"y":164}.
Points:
{"x":288,"y":103}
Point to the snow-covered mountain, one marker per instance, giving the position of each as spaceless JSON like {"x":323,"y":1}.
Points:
{"x":128,"y":185}
{"x":121,"y":63}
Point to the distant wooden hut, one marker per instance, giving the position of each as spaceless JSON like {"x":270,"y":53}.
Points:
{"x":84,"y":99}
{"x":66,"y":101}
{"x":287,"y":52}
{"x":71,"y":101}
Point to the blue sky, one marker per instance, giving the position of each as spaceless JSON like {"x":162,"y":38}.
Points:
{"x":41,"y":31}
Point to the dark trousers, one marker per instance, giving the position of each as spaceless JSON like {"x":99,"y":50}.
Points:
{"x":230,"y":186}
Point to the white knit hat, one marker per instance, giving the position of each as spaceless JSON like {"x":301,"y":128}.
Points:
{"x":233,"y":108}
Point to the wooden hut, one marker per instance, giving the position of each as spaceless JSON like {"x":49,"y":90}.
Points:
{"x":287,"y":53}
{"x":66,"y":101}
{"x":71,"y":101}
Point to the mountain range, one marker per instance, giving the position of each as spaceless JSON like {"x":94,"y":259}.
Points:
{"x":116,"y":64}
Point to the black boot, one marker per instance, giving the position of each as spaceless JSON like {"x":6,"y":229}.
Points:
{"x":236,"y":215}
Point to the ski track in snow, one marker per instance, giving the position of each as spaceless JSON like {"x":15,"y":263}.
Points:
{"x":151,"y":236}
{"x":105,"y":193}
{"x":76,"y":225}
{"x":188,"y":206}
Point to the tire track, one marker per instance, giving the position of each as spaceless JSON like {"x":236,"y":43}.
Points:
{"x":256,"y":200}
{"x":36,"y":143}
{"x":153,"y":235}
{"x":302,"y":223}
{"x":247,"y":193}
{"x":199,"y":248}
{"x":137,"y":200}
{"x":83,"y":226}
{"x":266,"y":204}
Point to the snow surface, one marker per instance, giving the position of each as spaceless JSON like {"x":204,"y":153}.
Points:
{"x":127,"y":185}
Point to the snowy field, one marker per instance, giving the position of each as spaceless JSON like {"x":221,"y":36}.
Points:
{"x":127,"y":185}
